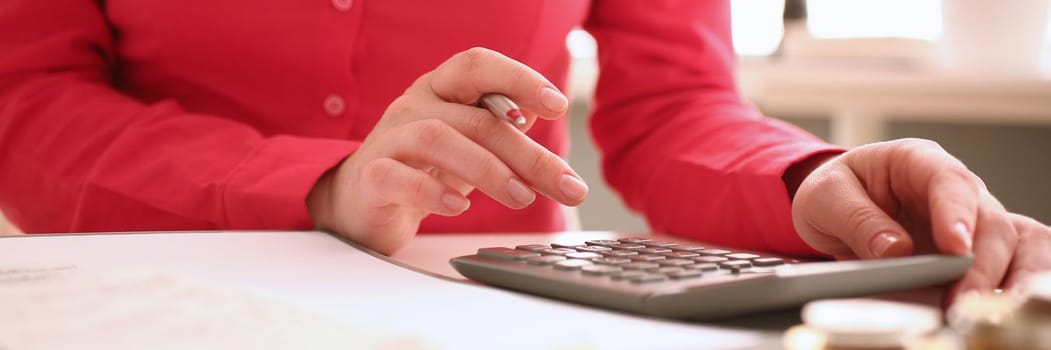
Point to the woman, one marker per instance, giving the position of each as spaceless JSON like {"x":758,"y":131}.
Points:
{"x":360,"y":117}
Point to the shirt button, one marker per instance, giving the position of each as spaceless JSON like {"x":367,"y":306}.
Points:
{"x":334,"y":105}
{"x":342,"y":5}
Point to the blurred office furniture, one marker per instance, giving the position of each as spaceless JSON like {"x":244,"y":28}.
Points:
{"x":861,"y":99}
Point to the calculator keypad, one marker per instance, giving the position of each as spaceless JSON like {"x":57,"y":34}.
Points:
{"x":635,"y":260}
{"x":545,"y":259}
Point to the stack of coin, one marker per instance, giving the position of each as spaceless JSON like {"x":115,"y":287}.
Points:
{"x":985,"y":320}
{"x":862,"y":324}
{"x":1033,"y":319}
{"x":1006,"y":320}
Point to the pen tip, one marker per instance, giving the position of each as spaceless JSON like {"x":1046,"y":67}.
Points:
{"x":517,"y":116}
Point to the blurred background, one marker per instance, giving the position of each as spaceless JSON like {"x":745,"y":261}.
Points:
{"x":973,"y":75}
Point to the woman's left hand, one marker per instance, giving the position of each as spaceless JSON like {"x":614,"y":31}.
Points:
{"x":910,"y":196}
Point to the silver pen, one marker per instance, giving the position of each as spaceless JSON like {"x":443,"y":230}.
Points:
{"x":503,"y":108}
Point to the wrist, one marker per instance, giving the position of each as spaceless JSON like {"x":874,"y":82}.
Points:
{"x":796,"y":173}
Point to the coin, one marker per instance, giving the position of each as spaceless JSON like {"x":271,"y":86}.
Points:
{"x":868,"y":323}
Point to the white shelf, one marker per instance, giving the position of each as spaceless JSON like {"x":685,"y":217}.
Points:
{"x":861,"y":98}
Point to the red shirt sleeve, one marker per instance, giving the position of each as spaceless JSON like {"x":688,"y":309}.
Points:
{"x":77,"y":155}
{"x":678,"y":142}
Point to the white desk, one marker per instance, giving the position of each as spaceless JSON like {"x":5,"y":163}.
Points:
{"x":324,"y":275}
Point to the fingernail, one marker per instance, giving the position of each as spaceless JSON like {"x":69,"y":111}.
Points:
{"x":572,"y":187}
{"x":553,"y":100}
{"x":519,"y":192}
{"x":455,"y":203}
{"x":881,"y":242}
{"x":965,"y":235}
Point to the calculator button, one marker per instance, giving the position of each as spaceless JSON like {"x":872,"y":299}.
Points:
{"x":679,"y":255}
{"x":569,"y":246}
{"x":646,"y":257}
{"x":686,"y":248}
{"x":660,"y":244}
{"x":741,"y":256}
{"x":634,"y":240}
{"x":611,"y":261}
{"x":535,"y":248}
{"x":593,"y":248}
{"x":557,"y":251}
{"x":505,"y":253}
{"x":583,"y":255}
{"x":626,"y":274}
{"x":619,"y":253}
{"x":684,"y":274}
{"x":599,"y":270}
{"x":602,"y":242}
{"x":627,"y":246}
{"x":768,"y":262}
{"x":572,"y":264}
{"x":639,"y":266}
{"x":545,"y":259}
{"x":647,"y":279}
{"x":703,"y":267}
{"x":675,"y":262}
{"x":709,"y":259}
{"x":653,"y":250}
{"x":665,"y":270}
{"x":735,"y":265}
{"x":713,"y":252}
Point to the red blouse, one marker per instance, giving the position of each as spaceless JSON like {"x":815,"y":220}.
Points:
{"x":155,"y":115}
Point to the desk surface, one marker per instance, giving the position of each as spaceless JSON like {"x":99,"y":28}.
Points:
{"x":314,"y":270}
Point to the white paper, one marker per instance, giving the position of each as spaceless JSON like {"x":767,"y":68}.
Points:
{"x":152,"y":310}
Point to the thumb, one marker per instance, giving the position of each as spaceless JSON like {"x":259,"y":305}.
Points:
{"x":834,"y":213}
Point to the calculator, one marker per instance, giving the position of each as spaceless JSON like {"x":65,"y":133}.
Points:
{"x":685,"y":281}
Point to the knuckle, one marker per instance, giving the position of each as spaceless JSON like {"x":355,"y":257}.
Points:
{"x":478,"y":124}
{"x":490,"y":168}
{"x":402,"y":106}
{"x":961,"y":173}
{"x":861,"y":217}
{"x":428,"y":133}
{"x":520,"y":76}
{"x":916,"y":149}
{"x":543,"y":163}
{"x":469,"y":60}
{"x":1028,"y":226}
{"x":377,"y":172}
{"x":920,"y":143}
{"x":1006,"y":231}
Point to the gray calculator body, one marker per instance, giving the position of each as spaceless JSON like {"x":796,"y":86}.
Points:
{"x":721,"y":293}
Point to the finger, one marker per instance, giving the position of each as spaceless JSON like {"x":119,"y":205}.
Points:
{"x":397,"y":183}
{"x":949,"y":189}
{"x":465,"y":77}
{"x":437,"y":144}
{"x":542,"y":169}
{"x":995,"y":240}
{"x":1031,"y":254}
{"x":837,"y":217}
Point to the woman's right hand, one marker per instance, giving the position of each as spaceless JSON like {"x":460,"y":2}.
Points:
{"x":433,"y":146}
